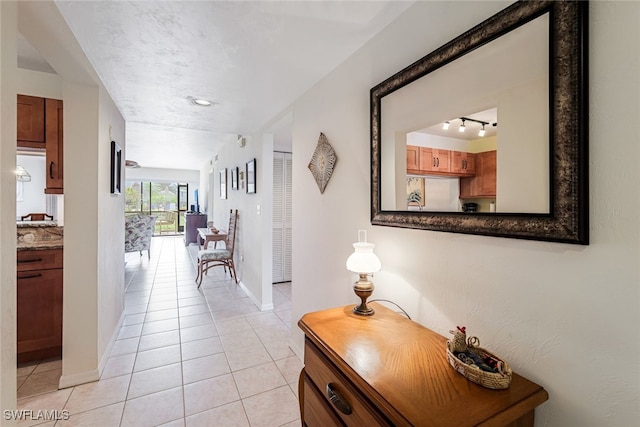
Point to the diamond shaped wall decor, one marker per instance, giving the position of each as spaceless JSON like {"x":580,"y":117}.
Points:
{"x":322,"y":162}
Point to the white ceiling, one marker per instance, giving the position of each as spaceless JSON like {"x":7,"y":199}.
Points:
{"x":251,"y":58}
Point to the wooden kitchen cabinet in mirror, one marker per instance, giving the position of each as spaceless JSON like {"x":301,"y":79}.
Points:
{"x":463,"y":163}
{"x":483,"y":184}
{"x":526,"y":64}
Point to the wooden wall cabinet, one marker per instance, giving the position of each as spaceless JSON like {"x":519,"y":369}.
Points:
{"x":54,"y":147}
{"x":438,"y":162}
{"x":463,"y":163}
{"x":39,"y":304}
{"x":31,"y":122}
{"x":413,"y":159}
{"x":483,"y":184}
{"x":434,"y":160}
{"x":386,"y":370}
{"x":40,"y":127}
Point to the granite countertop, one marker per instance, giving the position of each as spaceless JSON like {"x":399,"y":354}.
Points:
{"x":34,"y":224}
{"x":39,"y":235}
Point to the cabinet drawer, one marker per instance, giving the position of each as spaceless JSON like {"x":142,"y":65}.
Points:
{"x":317,"y":412}
{"x":324,"y":375}
{"x":39,"y":260}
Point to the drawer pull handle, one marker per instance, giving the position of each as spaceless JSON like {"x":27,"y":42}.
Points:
{"x":338,"y":401}
{"x":30,"y":276}
{"x":24,"y":261}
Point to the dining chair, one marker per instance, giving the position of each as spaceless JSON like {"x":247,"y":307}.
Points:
{"x":212,"y":257}
{"x":36,"y":217}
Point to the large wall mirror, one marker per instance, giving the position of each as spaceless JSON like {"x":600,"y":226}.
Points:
{"x":488,"y":133}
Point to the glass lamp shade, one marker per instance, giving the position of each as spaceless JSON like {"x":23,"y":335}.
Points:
{"x":363,"y":260}
{"x":22,"y":175}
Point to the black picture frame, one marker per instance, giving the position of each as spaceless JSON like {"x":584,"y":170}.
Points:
{"x":116,"y":168}
{"x":234,"y":178}
{"x":223,"y":183}
{"x":251,"y":176}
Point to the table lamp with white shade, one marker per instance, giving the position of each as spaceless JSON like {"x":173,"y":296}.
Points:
{"x":364,"y":262}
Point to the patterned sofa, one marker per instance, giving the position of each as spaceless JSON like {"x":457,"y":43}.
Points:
{"x":138,"y":231}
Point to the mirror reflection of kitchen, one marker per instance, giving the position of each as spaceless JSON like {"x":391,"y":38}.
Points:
{"x":500,"y":163}
{"x":467,"y":146}
{"x":30,"y":185}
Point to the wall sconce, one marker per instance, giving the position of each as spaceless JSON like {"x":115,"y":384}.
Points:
{"x":364,"y":262}
{"x":22,"y":175}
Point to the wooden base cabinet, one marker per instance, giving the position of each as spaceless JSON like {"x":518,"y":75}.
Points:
{"x":385,"y":370}
{"x":483,"y":184}
{"x":39,"y":304}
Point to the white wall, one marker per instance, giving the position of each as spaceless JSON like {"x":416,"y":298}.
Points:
{"x":253,"y":238}
{"x":94,"y":230}
{"x":564,"y":316}
{"x":165,"y":175}
{"x":33,"y":198}
{"x":111,"y":126}
{"x":8,"y":65}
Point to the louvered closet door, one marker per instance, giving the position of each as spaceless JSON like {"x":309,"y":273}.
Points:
{"x":282,"y":188}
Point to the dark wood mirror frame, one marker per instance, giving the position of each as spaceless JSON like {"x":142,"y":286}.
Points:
{"x":568,"y":220}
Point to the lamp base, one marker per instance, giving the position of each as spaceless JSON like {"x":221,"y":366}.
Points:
{"x":363,"y":310}
{"x":363,"y":288}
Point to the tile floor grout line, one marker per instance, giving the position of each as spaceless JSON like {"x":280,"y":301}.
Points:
{"x":167,"y":270}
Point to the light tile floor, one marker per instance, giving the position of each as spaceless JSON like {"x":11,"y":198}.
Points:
{"x":183,"y":356}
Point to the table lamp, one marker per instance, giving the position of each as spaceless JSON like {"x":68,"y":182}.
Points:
{"x":364,"y":262}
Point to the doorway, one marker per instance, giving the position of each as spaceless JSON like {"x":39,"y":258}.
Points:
{"x":166,"y":201}
{"x":282,"y":216}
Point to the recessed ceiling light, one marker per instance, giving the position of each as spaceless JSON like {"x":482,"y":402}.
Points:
{"x":201,"y":102}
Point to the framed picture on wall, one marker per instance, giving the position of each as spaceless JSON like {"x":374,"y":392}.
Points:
{"x":116,"y":168}
{"x":251,"y":176}
{"x":223,"y":183}
{"x":234,"y":178}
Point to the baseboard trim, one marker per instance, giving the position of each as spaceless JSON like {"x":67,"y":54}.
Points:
{"x":93,"y":375}
{"x":110,"y":344}
{"x":261,"y":307}
{"x":79,"y":378}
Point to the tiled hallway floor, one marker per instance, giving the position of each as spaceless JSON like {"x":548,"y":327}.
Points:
{"x":187,"y":357}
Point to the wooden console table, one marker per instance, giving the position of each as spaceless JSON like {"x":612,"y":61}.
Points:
{"x":205,"y":236}
{"x":386,"y":370}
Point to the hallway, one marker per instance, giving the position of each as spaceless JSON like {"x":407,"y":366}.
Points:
{"x":187,"y":357}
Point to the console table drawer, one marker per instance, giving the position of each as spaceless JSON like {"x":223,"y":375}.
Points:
{"x":317,"y":411}
{"x":356,"y":411}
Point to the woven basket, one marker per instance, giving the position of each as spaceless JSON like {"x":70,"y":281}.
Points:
{"x":496,"y":381}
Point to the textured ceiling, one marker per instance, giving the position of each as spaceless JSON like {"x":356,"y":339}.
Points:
{"x":252,"y":59}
